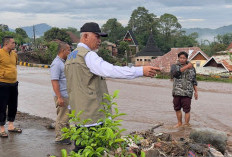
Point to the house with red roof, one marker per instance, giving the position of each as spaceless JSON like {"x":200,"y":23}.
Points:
{"x":219,"y":64}
{"x":196,"y":56}
{"x":229,"y":48}
{"x":74,"y":39}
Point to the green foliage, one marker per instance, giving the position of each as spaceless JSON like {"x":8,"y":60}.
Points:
{"x":106,"y":54}
{"x":169,"y":25}
{"x":186,"y":40}
{"x":170,"y":34}
{"x":21,"y":32}
{"x":199,"y":78}
{"x":216,"y":47}
{"x":220,"y":44}
{"x":18,"y":38}
{"x":211,"y":48}
{"x":56,"y":33}
{"x":73,"y":30}
{"x":51,"y":52}
{"x":225,"y":39}
{"x":163,"y":76}
{"x":213,"y":79}
{"x":122,"y":49}
{"x":40,"y":40}
{"x":141,"y":22}
{"x":102,"y":139}
{"x":114,"y":29}
{"x":4,"y":28}
{"x":166,"y":30}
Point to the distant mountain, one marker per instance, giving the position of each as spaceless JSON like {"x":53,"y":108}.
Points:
{"x":11,"y":30}
{"x":207,"y":33}
{"x":39,"y":29}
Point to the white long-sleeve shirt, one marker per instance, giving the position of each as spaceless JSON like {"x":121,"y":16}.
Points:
{"x":102,"y":68}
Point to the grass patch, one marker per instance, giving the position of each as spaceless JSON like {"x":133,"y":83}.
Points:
{"x":163,"y":76}
{"x":213,"y":79}
{"x":199,"y":78}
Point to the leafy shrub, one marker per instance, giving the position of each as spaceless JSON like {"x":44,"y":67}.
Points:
{"x":103,"y":139}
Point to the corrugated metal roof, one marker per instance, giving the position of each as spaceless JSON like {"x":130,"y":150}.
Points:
{"x":223,"y":60}
{"x":165,"y":61}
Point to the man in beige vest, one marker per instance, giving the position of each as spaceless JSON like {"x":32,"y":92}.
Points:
{"x":85,"y":72}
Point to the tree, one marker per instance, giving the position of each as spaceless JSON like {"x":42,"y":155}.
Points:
{"x":169,"y":25}
{"x":21,"y":32}
{"x":4,"y":28}
{"x":114,"y":29}
{"x":40,"y":41}
{"x":210,"y":48}
{"x":186,"y":40}
{"x":73,"y":30}
{"x":169,"y":32}
{"x":141,"y":22}
{"x":105,"y":54}
{"x":18,"y":38}
{"x":56,"y":33}
{"x":225,"y":39}
{"x":123,"y":47}
{"x":216,"y":47}
{"x":51,"y":52}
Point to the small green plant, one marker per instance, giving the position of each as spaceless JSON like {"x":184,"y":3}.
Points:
{"x":101,"y":140}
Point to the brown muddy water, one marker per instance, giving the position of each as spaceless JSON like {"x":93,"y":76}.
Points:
{"x":35,"y":141}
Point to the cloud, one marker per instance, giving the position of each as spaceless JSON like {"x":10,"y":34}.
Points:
{"x":228,"y":6}
{"x":64,"y":13}
{"x":191,"y":20}
{"x":66,"y":6}
{"x":191,"y":3}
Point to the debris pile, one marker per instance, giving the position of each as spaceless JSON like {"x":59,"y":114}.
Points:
{"x":201,"y":143}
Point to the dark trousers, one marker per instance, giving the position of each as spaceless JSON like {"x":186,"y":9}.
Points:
{"x":8,"y":98}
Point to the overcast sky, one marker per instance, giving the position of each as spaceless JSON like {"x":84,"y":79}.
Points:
{"x":74,"y":13}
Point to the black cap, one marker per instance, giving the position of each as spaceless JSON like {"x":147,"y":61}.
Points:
{"x":93,"y":27}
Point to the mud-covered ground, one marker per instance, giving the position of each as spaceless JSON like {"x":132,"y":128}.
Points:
{"x":35,"y":140}
{"x":146,"y":102}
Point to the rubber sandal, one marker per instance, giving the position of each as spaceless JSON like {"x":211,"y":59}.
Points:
{"x":16,"y":130}
{"x":3,"y":134}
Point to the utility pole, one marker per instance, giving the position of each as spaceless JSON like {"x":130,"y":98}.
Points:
{"x":34,"y":35}
{"x":126,"y":58}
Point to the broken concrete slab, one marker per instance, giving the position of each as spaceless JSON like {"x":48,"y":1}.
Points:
{"x":216,"y":138}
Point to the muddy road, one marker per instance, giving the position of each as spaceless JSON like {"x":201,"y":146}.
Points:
{"x":146,"y":102}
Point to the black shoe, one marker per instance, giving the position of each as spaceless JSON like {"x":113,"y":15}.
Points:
{"x":65,"y":142}
{"x":77,"y":148}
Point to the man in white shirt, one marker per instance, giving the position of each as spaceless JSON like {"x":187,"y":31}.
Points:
{"x":85,"y":72}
